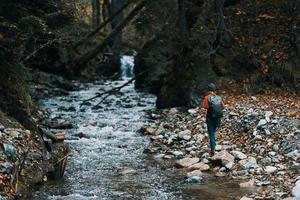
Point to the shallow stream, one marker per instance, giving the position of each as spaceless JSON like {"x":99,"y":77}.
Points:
{"x":107,"y":160}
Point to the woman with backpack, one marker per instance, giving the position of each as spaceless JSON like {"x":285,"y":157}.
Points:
{"x":214,"y":106}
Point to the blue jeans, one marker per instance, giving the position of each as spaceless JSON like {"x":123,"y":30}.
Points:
{"x":212,"y":125}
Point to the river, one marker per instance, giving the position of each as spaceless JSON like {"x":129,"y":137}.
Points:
{"x":107,"y":160}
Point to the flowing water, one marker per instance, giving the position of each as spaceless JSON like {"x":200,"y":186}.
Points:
{"x":107,"y":159}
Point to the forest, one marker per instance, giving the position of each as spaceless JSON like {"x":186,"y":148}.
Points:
{"x":150,"y":99}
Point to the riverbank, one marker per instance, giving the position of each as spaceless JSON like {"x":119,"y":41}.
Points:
{"x":30,"y":154}
{"x":257,"y":144}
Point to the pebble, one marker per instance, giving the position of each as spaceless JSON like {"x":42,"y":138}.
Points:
{"x":262,"y":122}
{"x":270,"y":169}
{"x":185,"y":135}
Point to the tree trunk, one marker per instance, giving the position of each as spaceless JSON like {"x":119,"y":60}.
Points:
{"x":100,"y":27}
{"x":96,"y":13}
{"x":182,"y":21}
{"x":117,"y":43}
{"x":224,"y":37}
{"x":82,"y":61}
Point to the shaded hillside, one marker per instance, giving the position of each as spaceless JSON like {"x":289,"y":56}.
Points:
{"x":245,"y":46}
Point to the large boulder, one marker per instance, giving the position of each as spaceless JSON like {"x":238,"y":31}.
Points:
{"x":186,"y":162}
{"x":223,"y":157}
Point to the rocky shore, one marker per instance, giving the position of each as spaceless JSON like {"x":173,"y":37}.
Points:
{"x":257,"y":144}
{"x":32,"y":155}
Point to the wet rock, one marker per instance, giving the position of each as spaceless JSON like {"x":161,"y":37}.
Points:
{"x":10,"y":151}
{"x":194,"y":180}
{"x":6,"y":167}
{"x":60,"y":136}
{"x":247,"y":184}
{"x":200,"y":166}
{"x":61,"y":124}
{"x":148,"y":130}
{"x":194,"y":173}
{"x":82,"y":135}
{"x":49,"y":134}
{"x":224,"y":157}
{"x":239,"y":155}
{"x":69,"y":109}
{"x":155,"y":116}
{"x":220,"y":174}
{"x":150,"y":150}
{"x":185,"y":135}
{"x":128,"y":171}
{"x":186,"y":162}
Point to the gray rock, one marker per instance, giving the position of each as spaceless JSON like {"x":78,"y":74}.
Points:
{"x":296,"y":190}
{"x":229,"y":166}
{"x":275,"y":147}
{"x":248,"y":163}
{"x":200,"y":166}
{"x":185,"y":135}
{"x":186,"y":162}
{"x":262,"y":122}
{"x":272,"y":153}
{"x":10,"y":151}
{"x":178,"y":153}
{"x":194,"y":173}
{"x":239,"y":155}
{"x":293,"y":154}
{"x":270,"y":169}
{"x":128,"y":171}
{"x":268,"y":132}
{"x":6,"y":167}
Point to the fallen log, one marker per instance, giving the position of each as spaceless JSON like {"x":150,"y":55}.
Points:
{"x":113,"y":90}
{"x":96,"y":30}
{"x":82,"y":61}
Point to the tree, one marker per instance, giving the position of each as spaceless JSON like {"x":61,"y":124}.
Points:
{"x":96,"y":13}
